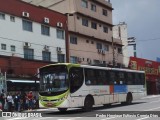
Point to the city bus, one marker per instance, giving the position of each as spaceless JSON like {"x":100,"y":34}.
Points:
{"x":17,"y":85}
{"x":22,"y":85}
{"x":66,"y":85}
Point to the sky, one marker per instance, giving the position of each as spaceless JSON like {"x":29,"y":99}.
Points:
{"x":143,"y":21}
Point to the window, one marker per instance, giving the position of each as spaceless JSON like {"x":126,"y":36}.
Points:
{"x":13,"y":48}
{"x":2,"y":16}
{"x":120,"y":50}
{"x":27,"y":25}
{"x":84,"y":3}
{"x":93,"y":7}
{"x":102,"y":77}
{"x":46,"y":56}
{"x":3,"y":46}
{"x":105,"y":29}
{"x":28,"y":53}
{"x":129,"y":78}
{"x":45,"y":30}
{"x":92,"y":42}
{"x":12,"y":18}
{"x":90,"y":77}
{"x":120,"y":78}
{"x":106,"y":47}
{"x":73,"y":40}
{"x":73,"y":59}
{"x":142,"y":78}
{"x":94,"y":25}
{"x":87,"y":41}
{"x":61,"y":58}
{"x":104,"y":12}
{"x":112,"y":77}
{"x":84,"y":22}
{"x":76,"y":78}
{"x":60,"y":34}
{"x":99,"y":46}
{"x":96,"y":77}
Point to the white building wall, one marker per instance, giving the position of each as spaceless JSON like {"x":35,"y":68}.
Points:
{"x":12,"y":33}
{"x":120,"y":32}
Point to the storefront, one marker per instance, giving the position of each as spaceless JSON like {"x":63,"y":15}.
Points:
{"x":152,"y":69}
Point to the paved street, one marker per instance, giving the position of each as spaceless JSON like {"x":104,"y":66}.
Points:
{"x":139,"y":107}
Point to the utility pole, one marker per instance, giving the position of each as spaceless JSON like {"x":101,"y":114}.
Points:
{"x":132,"y":42}
{"x":113,"y":53}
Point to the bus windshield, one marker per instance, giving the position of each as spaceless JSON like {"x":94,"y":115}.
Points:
{"x":53,"y":79}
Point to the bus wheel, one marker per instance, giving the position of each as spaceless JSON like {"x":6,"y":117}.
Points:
{"x":88,"y":103}
{"x":107,"y":105}
{"x":62,"y":109}
{"x":129,"y":99}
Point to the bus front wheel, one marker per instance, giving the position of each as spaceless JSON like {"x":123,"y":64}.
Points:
{"x":88,"y":103}
{"x":62,"y":109}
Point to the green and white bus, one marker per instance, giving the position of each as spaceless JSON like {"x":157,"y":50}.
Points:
{"x":66,"y":85}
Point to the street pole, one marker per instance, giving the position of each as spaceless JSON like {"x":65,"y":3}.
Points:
{"x":113,"y":53}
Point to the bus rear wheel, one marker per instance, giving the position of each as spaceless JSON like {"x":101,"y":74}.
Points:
{"x":88,"y":103}
{"x":62,"y":109}
{"x":129,"y":99}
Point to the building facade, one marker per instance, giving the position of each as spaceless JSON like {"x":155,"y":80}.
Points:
{"x":32,"y":32}
{"x":89,"y":30}
{"x":30,"y":37}
{"x":152,"y":70}
{"x":120,"y":31}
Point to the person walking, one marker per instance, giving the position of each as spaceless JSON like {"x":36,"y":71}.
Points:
{"x":2,"y":99}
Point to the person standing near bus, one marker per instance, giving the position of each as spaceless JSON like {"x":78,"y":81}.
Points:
{"x":9,"y":102}
{"x":17,"y":101}
{"x":2,"y":99}
{"x":30,"y":100}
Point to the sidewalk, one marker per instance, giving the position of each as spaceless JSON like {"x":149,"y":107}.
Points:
{"x":150,"y":96}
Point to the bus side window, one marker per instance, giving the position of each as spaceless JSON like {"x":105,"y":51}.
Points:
{"x":76,"y":78}
{"x":129,"y":78}
{"x":112,"y":77}
{"x":90,"y":77}
{"x":121,"y":78}
{"x":142,"y":78}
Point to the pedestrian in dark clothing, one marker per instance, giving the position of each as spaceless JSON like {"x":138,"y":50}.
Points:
{"x":23,"y":97}
{"x":2,"y":99}
{"x":17,"y":102}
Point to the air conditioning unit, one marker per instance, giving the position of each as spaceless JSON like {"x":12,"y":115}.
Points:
{"x":100,"y":62}
{"x":79,"y":59}
{"x":59,"y":24}
{"x":89,"y":60}
{"x":46,"y":47}
{"x":46,"y":20}
{"x":99,"y":50}
{"x":27,"y":44}
{"x":59,"y":49}
{"x":25,"y":14}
